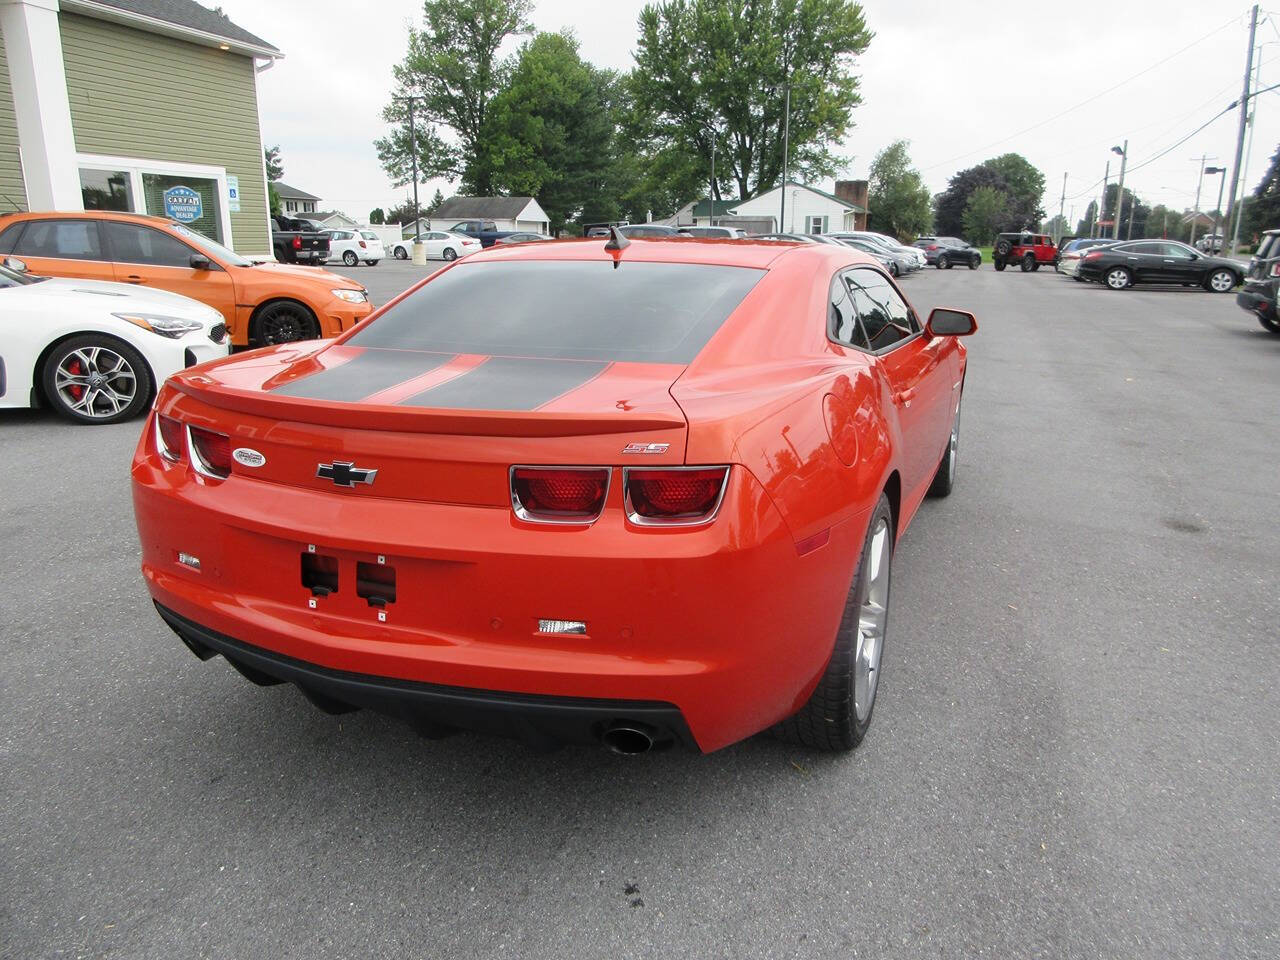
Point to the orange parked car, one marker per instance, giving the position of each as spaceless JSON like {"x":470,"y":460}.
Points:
{"x":263,"y":303}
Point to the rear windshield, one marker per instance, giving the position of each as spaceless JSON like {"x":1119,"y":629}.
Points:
{"x":1269,"y":247}
{"x":572,"y":310}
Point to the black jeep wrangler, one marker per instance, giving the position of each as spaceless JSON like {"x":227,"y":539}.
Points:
{"x":1262,"y":282}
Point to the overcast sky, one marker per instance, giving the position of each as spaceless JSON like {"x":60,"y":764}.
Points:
{"x":961,"y":84}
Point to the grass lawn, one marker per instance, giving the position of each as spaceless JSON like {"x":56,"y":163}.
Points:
{"x":987,"y":254}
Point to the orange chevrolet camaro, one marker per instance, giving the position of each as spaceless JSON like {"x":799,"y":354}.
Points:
{"x":637,"y":492}
{"x":263,"y":303}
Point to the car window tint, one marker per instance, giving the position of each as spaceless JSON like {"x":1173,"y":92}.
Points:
{"x":637,"y":311}
{"x":842,"y":317}
{"x":9,"y":238}
{"x":1145,"y":249}
{"x":1176,"y":251}
{"x":61,"y":239}
{"x":885,"y":316}
{"x":134,"y":244}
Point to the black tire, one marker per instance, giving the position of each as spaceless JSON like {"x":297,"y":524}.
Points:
{"x":85,"y":377}
{"x":371,"y":263}
{"x":1229,"y":280}
{"x":1269,"y":323}
{"x":973,"y":264}
{"x":1003,"y":247}
{"x":945,"y":479}
{"x":282,"y":321}
{"x":998,"y":264}
{"x":943,"y":262}
{"x":829,"y":720}
{"x":1118,"y":278}
{"x":400,"y":253}
{"x":450,"y":253}
{"x":1028,"y":263}
{"x":350,"y":258}
{"x":1035,"y":267}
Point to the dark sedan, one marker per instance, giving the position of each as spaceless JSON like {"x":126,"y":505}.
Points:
{"x":1121,"y":265}
{"x":945,"y":252}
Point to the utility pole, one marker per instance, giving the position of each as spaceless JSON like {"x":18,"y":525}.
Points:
{"x":1244,"y":115}
{"x":1195,"y":217}
{"x":711,"y":213}
{"x":1244,"y":177}
{"x":786,"y":155}
{"x":413,"y":153}
{"x":1124,"y":159}
{"x":1061,"y":203}
{"x":1095,"y":229}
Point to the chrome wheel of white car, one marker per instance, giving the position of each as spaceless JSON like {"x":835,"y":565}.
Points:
{"x":450,"y":253}
{"x":96,"y":380}
{"x":400,"y":253}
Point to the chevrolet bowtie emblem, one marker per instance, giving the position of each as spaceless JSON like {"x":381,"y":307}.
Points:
{"x":344,"y":474}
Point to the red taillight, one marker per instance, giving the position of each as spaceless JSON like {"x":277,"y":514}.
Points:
{"x":559,"y":494}
{"x":211,"y":452}
{"x":297,"y":243}
{"x":933,"y":246}
{"x":1097,"y":255}
{"x":169,"y":437}
{"x":658,"y":495}
{"x":363,"y":245}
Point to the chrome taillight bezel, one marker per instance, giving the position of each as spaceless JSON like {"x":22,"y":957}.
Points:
{"x":198,"y":462}
{"x":643,"y":521}
{"x":166,"y":455}
{"x":524,"y":515}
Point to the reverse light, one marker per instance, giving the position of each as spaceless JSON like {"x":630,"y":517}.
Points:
{"x":673,"y":496}
{"x":562,"y":626}
{"x":169,"y":434}
{"x":559,"y":494}
{"x":351,"y":296}
{"x":210,"y":452}
{"x":171,"y":327}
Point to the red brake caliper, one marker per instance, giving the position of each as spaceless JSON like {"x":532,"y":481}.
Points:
{"x":76,"y":370}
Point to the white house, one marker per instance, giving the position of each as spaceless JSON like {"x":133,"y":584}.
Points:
{"x":809,"y":210}
{"x":295,"y":202}
{"x":334,"y":220}
{"x":507,"y":213}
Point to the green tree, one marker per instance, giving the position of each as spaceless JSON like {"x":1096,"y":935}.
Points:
{"x":404,"y":213}
{"x":716,"y":69}
{"x":1262,"y":207}
{"x":377,"y":216}
{"x":549,"y":130}
{"x":1056,"y":226}
{"x":899,"y":202}
{"x":453,"y":70}
{"x":436,"y":203}
{"x":275,"y":166}
{"x":1024,"y":187}
{"x":985,"y":214}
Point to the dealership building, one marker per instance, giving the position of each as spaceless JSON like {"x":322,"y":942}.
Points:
{"x":149,"y":106}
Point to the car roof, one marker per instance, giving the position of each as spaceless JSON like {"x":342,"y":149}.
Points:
{"x":92,"y":215}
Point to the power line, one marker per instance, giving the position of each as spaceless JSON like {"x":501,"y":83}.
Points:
{"x":1082,"y":103}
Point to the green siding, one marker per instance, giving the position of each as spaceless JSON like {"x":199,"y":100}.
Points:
{"x":141,"y":95}
{"x":11,"y":186}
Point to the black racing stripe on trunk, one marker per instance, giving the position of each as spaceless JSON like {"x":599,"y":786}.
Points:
{"x":509,"y":383}
{"x":361,"y":376}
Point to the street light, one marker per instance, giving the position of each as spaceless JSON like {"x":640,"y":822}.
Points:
{"x":1124,"y":159}
{"x":1217,"y":213}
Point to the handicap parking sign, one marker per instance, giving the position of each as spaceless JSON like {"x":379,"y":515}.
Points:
{"x":183,"y":204}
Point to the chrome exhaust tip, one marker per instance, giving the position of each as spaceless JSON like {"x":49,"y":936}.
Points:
{"x":628,"y":739}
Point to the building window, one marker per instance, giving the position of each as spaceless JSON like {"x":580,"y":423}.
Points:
{"x":290,"y":206}
{"x":815,"y":224}
{"x":308,"y":207}
{"x":209,"y":222}
{"x":106,"y":190}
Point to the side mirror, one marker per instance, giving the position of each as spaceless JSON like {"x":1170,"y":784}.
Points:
{"x":16,"y":265}
{"x":945,"y":322}
{"x":200,"y":262}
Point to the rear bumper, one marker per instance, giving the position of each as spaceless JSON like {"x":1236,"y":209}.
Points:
{"x":726,"y":624}
{"x":540,"y":721}
{"x":1258,"y":299}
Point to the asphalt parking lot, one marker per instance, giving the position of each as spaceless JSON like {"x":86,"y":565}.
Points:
{"x":1074,"y":751}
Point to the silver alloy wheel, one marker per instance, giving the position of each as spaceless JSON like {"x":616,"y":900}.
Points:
{"x":1118,"y":278}
{"x":95,"y":382}
{"x":1222,"y":281}
{"x":954,"y":444}
{"x":873,"y":618}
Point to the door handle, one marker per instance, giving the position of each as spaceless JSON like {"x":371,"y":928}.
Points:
{"x":904,"y":397}
{"x":134,"y":278}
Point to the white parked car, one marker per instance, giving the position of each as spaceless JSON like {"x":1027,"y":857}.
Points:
{"x":113,"y":344}
{"x":915,"y":254}
{"x":440,"y":244}
{"x":354,"y":246}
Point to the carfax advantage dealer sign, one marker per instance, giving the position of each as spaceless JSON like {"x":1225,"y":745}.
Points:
{"x":183,"y":204}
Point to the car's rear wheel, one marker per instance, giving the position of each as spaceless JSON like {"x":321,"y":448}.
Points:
{"x":999,"y":264}
{"x":973,"y":264}
{"x":401,"y":253}
{"x":838,"y":714}
{"x":1221,"y":281}
{"x":372,"y":263}
{"x":450,"y":253}
{"x":283,"y":321}
{"x":943,"y":263}
{"x":1028,"y":263}
{"x":1269,"y":323}
{"x":96,"y":379}
{"x":350,"y":258}
{"x":1119,"y":278}
{"x":945,"y":478}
